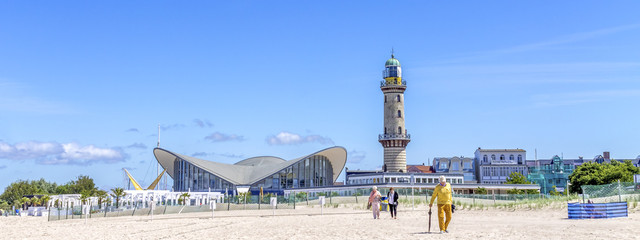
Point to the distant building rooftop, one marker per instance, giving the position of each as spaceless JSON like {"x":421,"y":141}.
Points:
{"x":501,"y":150}
{"x":420,"y":169}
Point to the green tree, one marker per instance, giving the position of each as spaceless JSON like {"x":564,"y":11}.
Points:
{"x":301,"y":196}
{"x":101,"y":195}
{"x":481,"y":190}
{"x":25,"y":202}
{"x":244,"y":196}
{"x":35,"y":201}
{"x":118,"y":193}
{"x":592,"y":173}
{"x":517,"y":178}
{"x":16,"y":190}
{"x":554,"y":191}
{"x":4,"y":205}
{"x":84,"y":183}
{"x":44,"y":200}
{"x":85,"y":195}
{"x":183,"y":198}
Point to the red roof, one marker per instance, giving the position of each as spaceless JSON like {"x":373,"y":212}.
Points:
{"x":420,"y":169}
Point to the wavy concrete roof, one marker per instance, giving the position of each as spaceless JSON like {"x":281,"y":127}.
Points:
{"x":251,"y":170}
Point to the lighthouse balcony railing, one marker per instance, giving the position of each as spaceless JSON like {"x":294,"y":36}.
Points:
{"x":385,"y":84}
{"x":393,"y":136}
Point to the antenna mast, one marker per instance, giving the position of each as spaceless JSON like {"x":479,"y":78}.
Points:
{"x":157,"y":163}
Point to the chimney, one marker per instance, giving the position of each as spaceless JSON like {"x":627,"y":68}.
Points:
{"x":606,"y":155}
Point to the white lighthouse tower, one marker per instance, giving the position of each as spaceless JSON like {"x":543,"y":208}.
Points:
{"x":395,"y":137}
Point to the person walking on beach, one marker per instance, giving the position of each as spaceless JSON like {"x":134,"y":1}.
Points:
{"x":374,"y":201}
{"x":443,"y":194}
{"x":392,"y":197}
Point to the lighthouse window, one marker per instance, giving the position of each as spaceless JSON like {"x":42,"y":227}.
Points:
{"x":399,"y":114}
{"x":398,"y":98}
{"x":385,"y":98}
{"x":385,"y":130}
{"x":399,"y":130}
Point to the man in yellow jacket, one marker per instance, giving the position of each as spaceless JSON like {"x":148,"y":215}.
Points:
{"x":443,"y":193}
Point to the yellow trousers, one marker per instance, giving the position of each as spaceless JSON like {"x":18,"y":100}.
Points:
{"x":444,"y":209}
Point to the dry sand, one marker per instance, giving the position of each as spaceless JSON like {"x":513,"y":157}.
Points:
{"x":336,"y":223}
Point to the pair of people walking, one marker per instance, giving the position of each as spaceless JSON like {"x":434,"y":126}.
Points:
{"x":375,"y":198}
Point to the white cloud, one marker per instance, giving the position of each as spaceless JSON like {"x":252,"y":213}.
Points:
{"x":356,"y":156}
{"x":203,"y":123}
{"x":221,"y":137}
{"x":50,"y":153}
{"x":138,"y":145}
{"x":287,"y":138}
{"x":172,"y":126}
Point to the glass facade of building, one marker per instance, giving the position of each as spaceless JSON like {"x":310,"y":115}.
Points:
{"x":314,"y":171}
{"x":192,"y":178}
{"x":549,"y":175}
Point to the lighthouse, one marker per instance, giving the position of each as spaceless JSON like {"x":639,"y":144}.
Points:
{"x":395,"y":138}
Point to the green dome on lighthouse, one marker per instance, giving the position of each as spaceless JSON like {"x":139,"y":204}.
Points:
{"x":392,"y":62}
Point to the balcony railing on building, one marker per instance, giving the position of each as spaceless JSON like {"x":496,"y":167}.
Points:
{"x":393,"y":136}
{"x":385,"y":84}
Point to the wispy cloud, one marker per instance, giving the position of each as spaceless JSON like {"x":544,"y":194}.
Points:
{"x":52,"y":153}
{"x":561,"y":40}
{"x":3,"y":166}
{"x":199,"y":154}
{"x":287,"y":138}
{"x":354,"y":156}
{"x":227,"y":155}
{"x":576,"y":72}
{"x":172,"y":126}
{"x":202,"y":123}
{"x":221,"y":137}
{"x":138,"y":145}
{"x":15,"y":97}
{"x":575,"y":98}
{"x":576,"y":37}
{"x":132,"y":130}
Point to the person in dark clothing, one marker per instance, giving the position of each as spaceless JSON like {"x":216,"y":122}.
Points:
{"x":392,"y":196}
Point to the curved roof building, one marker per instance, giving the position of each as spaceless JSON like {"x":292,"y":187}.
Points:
{"x":273,"y":174}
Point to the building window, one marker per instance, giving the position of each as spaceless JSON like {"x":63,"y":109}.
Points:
{"x":455,"y":166}
{"x":511,"y":157}
{"x":443,"y":165}
{"x":502,"y":157}
{"x":399,"y":130}
{"x":398,"y":97}
{"x":385,"y":98}
{"x":519,"y":159}
{"x":385,"y":130}
{"x":467,"y":165}
{"x":399,"y":114}
{"x":485,"y":158}
{"x":493,"y":157}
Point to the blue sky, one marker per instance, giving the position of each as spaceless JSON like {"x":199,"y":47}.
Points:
{"x":83,"y":85}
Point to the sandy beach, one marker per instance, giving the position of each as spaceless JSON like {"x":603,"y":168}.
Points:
{"x":335,"y":223}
